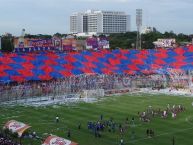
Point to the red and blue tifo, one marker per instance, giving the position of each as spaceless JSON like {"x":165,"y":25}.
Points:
{"x":21,"y":67}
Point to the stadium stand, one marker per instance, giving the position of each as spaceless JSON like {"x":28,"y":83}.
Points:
{"x":54,"y":73}
{"x":21,"y":67}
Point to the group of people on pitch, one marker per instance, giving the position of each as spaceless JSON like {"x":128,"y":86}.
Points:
{"x":146,"y":116}
{"x":111,"y":126}
{"x":101,"y":125}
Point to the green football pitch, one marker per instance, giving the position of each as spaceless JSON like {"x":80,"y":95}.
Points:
{"x":42,"y":120}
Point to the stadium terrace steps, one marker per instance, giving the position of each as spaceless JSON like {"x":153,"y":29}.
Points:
{"x":19,"y":67}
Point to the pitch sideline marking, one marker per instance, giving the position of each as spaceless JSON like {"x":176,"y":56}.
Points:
{"x":182,"y":130}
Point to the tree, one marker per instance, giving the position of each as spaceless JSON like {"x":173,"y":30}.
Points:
{"x":183,"y":38}
{"x":7,"y":43}
{"x":38,"y":36}
{"x":58,"y":35}
{"x":122,"y":40}
{"x":127,"y":40}
{"x":149,"y":38}
{"x":154,"y":29}
{"x":170,"y":34}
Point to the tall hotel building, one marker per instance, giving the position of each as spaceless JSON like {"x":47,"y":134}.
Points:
{"x":100,"y":22}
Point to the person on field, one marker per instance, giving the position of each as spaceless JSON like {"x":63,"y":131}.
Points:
{"x":57,"y":119}
{"x":101,"y":117}
{"x":151,"y":133}
{"x":173,"y":140}
{"x":34,"y":134}
{"x":133,"y":119}
{"x":147,"y":132}
{"x":174,"y":115}
{"x":168,"y":106}
{"x":69,"y":133}
{"x":164,"y":114}
{"x":121,"y":141}
{"x":121,"y":131}
{"x":79,"y":126}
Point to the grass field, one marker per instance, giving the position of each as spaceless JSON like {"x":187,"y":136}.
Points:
{"x":42,"y":120}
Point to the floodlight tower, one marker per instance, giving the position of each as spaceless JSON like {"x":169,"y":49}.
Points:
{"x":0,"y":42}
{"x":139,"y":25}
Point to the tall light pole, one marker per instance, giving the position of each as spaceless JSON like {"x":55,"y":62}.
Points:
{"x":0,"y":42}
{"x":139,"y":25}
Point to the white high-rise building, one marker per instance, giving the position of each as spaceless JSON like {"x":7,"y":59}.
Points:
{"x":76,"y":23}
{"x":98,"y":22}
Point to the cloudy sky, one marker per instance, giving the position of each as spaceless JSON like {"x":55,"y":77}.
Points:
{"x":51,"y":16}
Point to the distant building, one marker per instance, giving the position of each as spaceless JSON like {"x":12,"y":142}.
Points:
{"x":99,"y":22}
{"x":147,"y":30}
{"x":76,"y":23}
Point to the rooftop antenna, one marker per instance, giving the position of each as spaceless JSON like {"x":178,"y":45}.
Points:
{"x":139,"y":25}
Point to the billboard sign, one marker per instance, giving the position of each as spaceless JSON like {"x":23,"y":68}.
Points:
{"x":16,"y":126}
{"x":165,"y":43}
{"x":55,"y":140}
{"x":97,"y":43}
{"x":57,"y":42}
{"x":103,"y":43}
{"x":91,"y":43}
{"x":41,"y":43}
{"x":68,"y":44}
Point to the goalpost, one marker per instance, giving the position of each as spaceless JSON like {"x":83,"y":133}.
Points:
{"x":92,"y":93}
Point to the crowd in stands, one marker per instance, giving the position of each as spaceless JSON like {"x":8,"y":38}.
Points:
{"x":4,"y":140}
{"x":75,"y":84}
